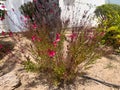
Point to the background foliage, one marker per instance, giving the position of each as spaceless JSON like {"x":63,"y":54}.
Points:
{"x":109,"y":21}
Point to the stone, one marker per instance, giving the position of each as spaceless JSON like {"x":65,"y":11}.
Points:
{"x":9,"y":81}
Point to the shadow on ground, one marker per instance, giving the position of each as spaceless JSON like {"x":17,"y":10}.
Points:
{"x":5,"y":48}
{"x":6,"y":65}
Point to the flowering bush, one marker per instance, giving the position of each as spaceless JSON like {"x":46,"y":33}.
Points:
{"x":59,"y":53}
{"x":67,"y":55}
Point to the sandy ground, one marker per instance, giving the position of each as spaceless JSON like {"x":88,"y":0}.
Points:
{"x":105,"y":69}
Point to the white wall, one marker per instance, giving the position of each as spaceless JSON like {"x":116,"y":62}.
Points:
{"x":75,"y":12}
{"x":77,"y":9}
{"x":14,"y":21}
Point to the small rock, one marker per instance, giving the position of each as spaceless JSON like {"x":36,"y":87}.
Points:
{"x":9,"y":81}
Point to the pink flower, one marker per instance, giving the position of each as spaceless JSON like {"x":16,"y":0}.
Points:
{"x":34,"y":38}
{"x":51,"y":53}
{"x":10,"y":34}
{"x":55,"y":43}
{"x":73,"y":36}
{"x":57,"y":37}
{"x":56,"y":40}
{"x":3,"y":6}
{"x":3,"y":33}
{"x":34,"y":26}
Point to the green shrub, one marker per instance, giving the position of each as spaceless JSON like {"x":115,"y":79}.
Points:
{"x":109,"y":21}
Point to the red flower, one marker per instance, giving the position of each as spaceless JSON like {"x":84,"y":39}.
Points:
{"x":1,"y":46}
{"x":34,"y":38}
{"x":51,"y":53}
